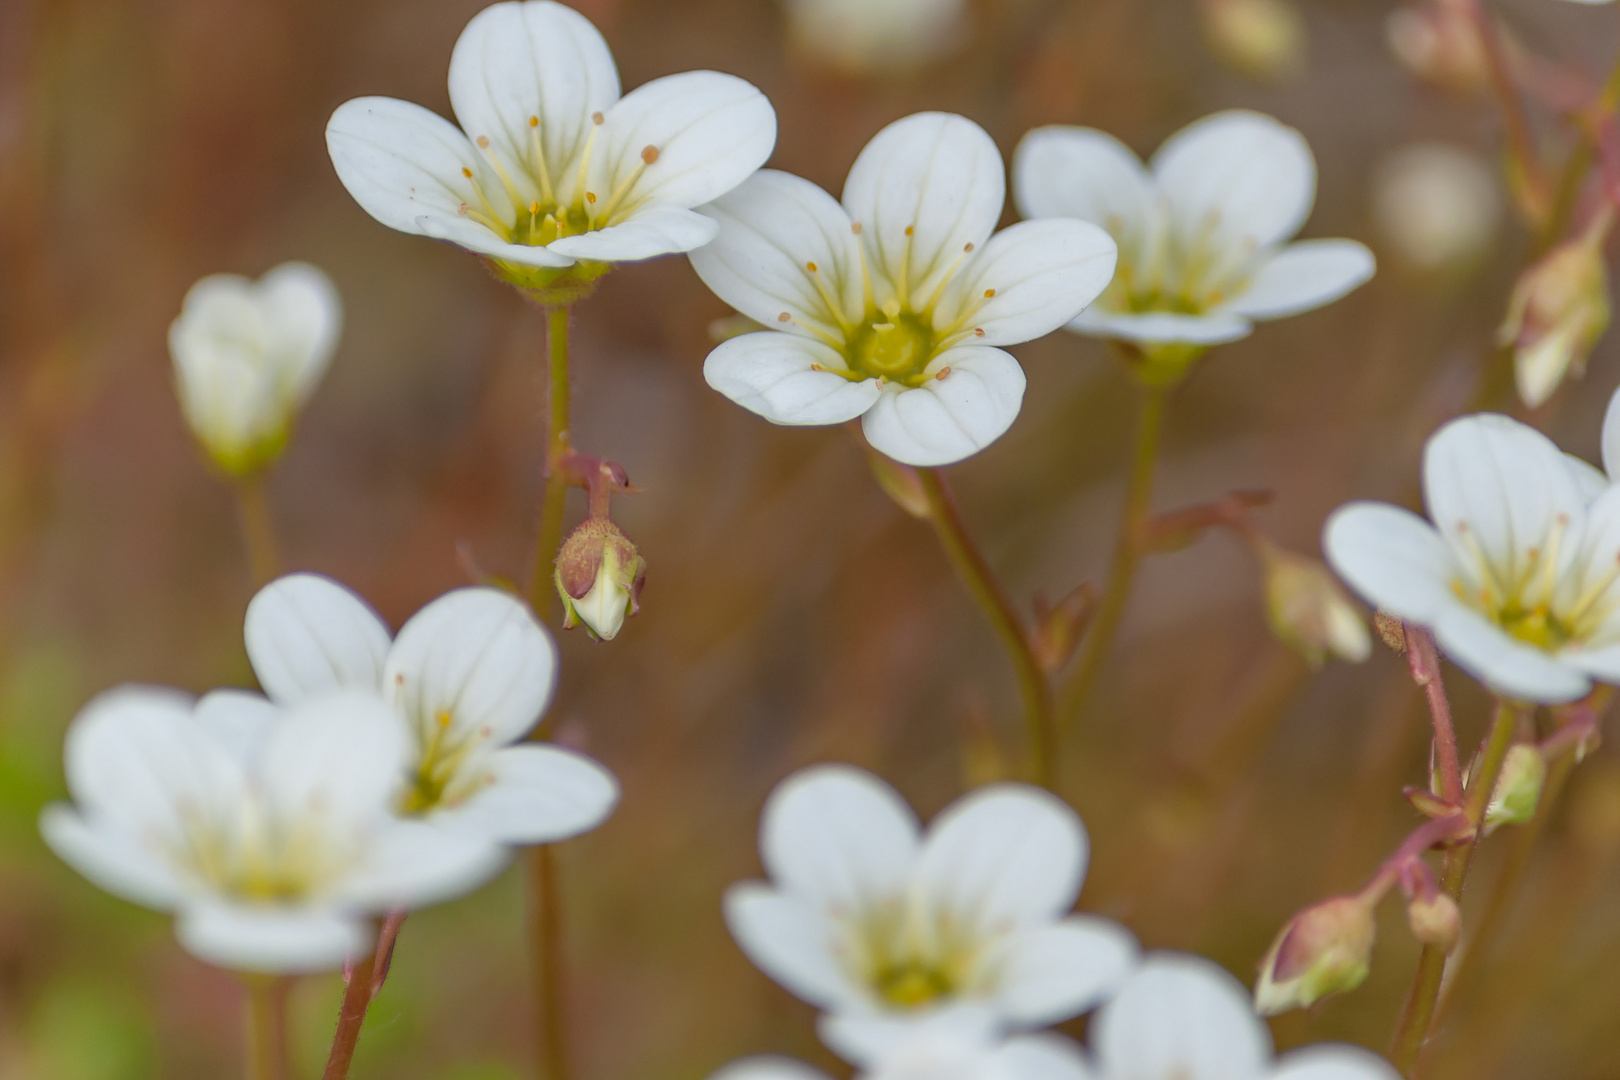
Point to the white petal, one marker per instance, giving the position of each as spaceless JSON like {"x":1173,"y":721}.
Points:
{"x":1611,"y":437}
{"x":767,"y":1067}
{"x":1241,"y":174}
{"x":413,"y":864}
{"x":1183,"y":1016}
{"x":791,"y":940}
{"x":706,"y":132}
{"x":1044,"y":1056}
{"x":1303,"y":276}
{"x":338,"y":759}
{"x":935,"y":175}
{"x":240,"y":720}
{"x":1054,"y":972}
{"x":1393,"y":558}
{"x":953,"y":1041}
{"x":837,"y":836}
{"x":1004,"y":855}
{"x":112,"y":857}
{"x":538,"y":795}
{"x":403,"y":164}
{"x":653,"y":231}
{"x":773,"y":227}
{"x":304,"y":315}
{"x":271,"y":940}
{"x":1162,"y":328}
{"x":308,"y":635}
{"x":1504,"y":663}
{"x":476,"y":656}
{"x":946,"y":420}
{"x":1074,"y":172}
{"x":1332,"y":1062}
{"x":539,"y":60}
{"x":1590,"y":480}
{"x":772,"y":374}
{"x":1029,"y":280}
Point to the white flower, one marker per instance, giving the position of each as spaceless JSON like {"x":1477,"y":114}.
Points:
{"x":468,"y":676}
{"x":550,"y":165}
{"x":888,"y":307}
{"x":1202,"y":231}
{"x":1437,"y":206}
{"x":865,"y":916}
{"x":267,"y":832}
{"x":1516,"y":577}
{"x":878,"y":37}
{"x":1181,"y":1017}
{"x":247,"y":355}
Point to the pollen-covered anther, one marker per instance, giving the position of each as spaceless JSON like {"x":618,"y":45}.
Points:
{"x":597,"y":118}
{"x":534,"y":121}
{"x":989,"y":294}
{"x":817,"y":367}
{"x":590,"y":196}
{"x":978,"y":331}
{"x":468,"y":174}
{"x":855,"y":227}
{"x":483,"y":142}
{"x":940,"y":375}
{"x":967,"y":248}
{"x":784,"y":317}
{"x":649,"y":154}
{"x":810,"y":266}
{"x":911,"y":230}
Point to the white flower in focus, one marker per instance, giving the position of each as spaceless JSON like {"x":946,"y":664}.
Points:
{"x":878,"y":37}
{"x":865,"y":916}
{"x":267,"y":832}
{"x":1437,"y":206}
{"x":248,"y":354}
{"x":1202,"y":230}
{"x":1516,"y":577}
{"x":889,"y":306}
{"x":1181,"y":1017}
{"x":468,"y":676}
{"x":550,"y":165}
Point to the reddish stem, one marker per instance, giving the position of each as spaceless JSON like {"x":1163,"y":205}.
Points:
{"x":1424,"y":660}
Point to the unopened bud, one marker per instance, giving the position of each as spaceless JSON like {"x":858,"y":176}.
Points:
{"x":1309,"y":610}
{"x":1558,"y":310}
{"x":876,"y":37}
{"x":1391,"y":630}
{"x":1435,"y":920}
{"x":1264,"y":39}
{"x":599,"y":577}
{"x":1438,"y":42}
{"x":1518,"y":789}
{"x":1325,"y":949}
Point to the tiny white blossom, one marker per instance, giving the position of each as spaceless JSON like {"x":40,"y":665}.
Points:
{"x":1437,"y":206}
{"x":867,"y":917}
{"x":550,"y":165}
{"x":1181,"y":1017}
{"x":268,"y":832}
{"x":1203,"y":230}
{"x":877,"y":37}
{"x":247,"y":355}
{"x":889,"y":306}
{"x":1517,"y":574}
{"x":468,"y":676}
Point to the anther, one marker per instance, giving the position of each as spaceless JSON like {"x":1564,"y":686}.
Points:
{"x":597,"y":118}
{"x":855,"y":227}
{"x":817,"y":367}
{"x":810,"y":266}
{"x":988,"y":293}
{"x":483,"y":142}
{"x":944,"y":371}
{"x":967,"y":246}
{"x":978,"y":331}
{"x":649,"y":154}
{"x":784,"y":317}
{"x":590,"y":196}
{"x":534,"y":121}
{"x":466,"y":172}
{"x":910,"y":229}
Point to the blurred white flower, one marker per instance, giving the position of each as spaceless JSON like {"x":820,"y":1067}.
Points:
{"x":889,"y":306}
{"x":877,"y":37}
{"x":1202,"y":231}
{"x":550,"y":165}
{"x":1439,"y":42}
{"x":865,"y":917}
{"x":1182,"y":1016}
{"x":268,"y":832}
{"x":468,"y":676}
{"x":247,"y":355}
{"x":1437,"y":206}
{"x":1516,"y":577}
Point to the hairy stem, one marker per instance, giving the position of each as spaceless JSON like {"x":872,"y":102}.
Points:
{"x":1424,"y":660}
{"x":267,"y":1027}
{"x":980,"y":580}
{"x":542,"y":595}
{"x":365,"y":980}
{"x":258,"y":529}
{"x":545,"y":945}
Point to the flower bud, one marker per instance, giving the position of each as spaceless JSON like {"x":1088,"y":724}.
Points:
{"x":1309,"y":610}
{"x":1325,"y":949}
{"x":876,"y":37}
{"x":1264,"y":39}
{"x":1558,"y":310}
{"x":1518,"y":789}
{"x":1438,"y":42}
{"x":1437,"y":207}
{"x":599,"y":577}
{"x":247,"y":355}
{"x":1435,"y":920}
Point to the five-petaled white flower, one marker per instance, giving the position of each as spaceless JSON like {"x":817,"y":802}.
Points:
{"x":1202,"y":231}
{"x":889,"y":306}
{"x":865,"y":916}
{"x":1181,"y":1017}
{"x":468,"y":676}
{"x":550,"y":165}
{"x":269,"y":832}
{"x":247,"y":355}
{"x":1517,"y":577}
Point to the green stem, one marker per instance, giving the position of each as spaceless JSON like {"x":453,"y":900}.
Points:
{"x":1418,"y":1015}
{"x":1521,"y":140}
{"x":267,"y":1027}
{"x":542,"y":593}
{"x":980,"y":580}
{"x":258,"y":529}
{"x":545,"y":944}
{"x":1077,"y":689}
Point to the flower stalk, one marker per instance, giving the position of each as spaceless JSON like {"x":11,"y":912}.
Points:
{"x":541,"y":597}
{"x":267,"y":1026}
{"x":365,"y":982}
{"x":545,"y":943}
{"x":258,"y":528}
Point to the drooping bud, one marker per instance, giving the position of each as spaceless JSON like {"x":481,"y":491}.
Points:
{"x":1438,"y":41}
{"x":1325,"y":949}
{"x":1264,"y":39}
{"x":1438,"y":208}
{"x":599,"y":578}
{"x":1310,"y":610}
{"x":1518,"y":789}
{"x":1435,"y":920}
{"x":1558,"y":310}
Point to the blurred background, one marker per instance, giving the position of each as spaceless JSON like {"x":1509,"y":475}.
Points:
{"x":792,"y":613}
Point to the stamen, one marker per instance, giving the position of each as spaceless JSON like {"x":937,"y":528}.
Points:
{"x":939,"y":290}
{"x":540,"y":160}
{"x":500,"y":171}
{"x":489,"y":219}
{"x":833,"y":306}
{"x":585,"y":156}
{"x":903,"y":285}
{"x":867,"y":296}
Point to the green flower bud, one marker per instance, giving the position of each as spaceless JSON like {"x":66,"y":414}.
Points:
{"x":1325,"y":949}
{"x":599,"y":578}
{"x":1310,"y":611}
{"x":1518,"y":789}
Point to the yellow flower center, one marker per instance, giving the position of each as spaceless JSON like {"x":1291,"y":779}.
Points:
{"x":438,"y":779}
{"x":909,"y":957}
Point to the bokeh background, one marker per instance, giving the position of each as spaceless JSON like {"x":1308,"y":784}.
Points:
{"x":793,"y":614}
